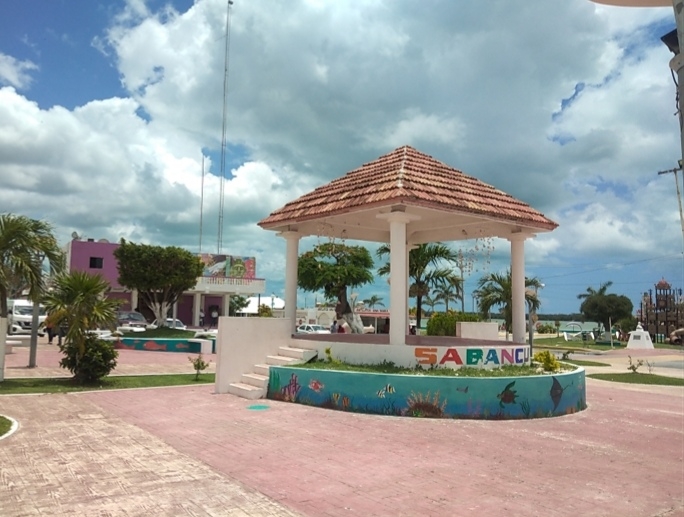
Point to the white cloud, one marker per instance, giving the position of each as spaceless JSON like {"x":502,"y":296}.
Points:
{"x":317,"y":88}
{"x":14,"y":72}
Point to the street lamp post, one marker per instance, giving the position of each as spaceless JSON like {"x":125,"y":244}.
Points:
{"x":532,"y":316}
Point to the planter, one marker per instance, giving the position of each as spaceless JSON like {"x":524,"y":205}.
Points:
{"x":497,"y":398}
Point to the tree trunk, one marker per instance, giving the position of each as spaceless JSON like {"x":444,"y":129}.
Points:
{"x":344,"y":311}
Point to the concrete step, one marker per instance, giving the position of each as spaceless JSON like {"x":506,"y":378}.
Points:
{"x":255,"y":379}
{"x":246,"y":391}
{"x":303,"y":354}
{"x":281,"y":360}
{"x":261,"y":369}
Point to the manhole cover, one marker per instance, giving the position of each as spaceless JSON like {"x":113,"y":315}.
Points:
{"x":258,"y":407}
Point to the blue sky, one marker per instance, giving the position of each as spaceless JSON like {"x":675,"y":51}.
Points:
{"x":106,"y":109}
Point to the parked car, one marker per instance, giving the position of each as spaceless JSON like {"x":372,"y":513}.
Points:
{"x":170,"y":323}
{"x":131,"y":319}
{"x":312,"y":329}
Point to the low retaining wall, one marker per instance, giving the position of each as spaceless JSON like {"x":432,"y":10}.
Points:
{"x":191,"y":345}
{"x":499,"y":398}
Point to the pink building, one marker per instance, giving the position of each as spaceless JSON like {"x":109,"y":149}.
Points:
{"x":224,"y":276}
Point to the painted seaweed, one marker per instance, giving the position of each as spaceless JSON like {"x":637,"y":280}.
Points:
{"x":422,"y":405}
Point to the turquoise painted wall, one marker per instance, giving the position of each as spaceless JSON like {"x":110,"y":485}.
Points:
{"x":160,"y":345}
{"x":431,"y":396}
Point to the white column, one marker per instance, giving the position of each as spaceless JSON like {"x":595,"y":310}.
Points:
{"x":291,"y":259}
{"x":3,"y":346}
{"x":225,"y":310}
{"x":134,"y":300}
{"x":174,"y":311}
{"x":398,"y":279}
{"x":518,"y":286}
{"x":196,"y":304}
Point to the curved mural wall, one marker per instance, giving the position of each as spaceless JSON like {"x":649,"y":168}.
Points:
{"x":163,"y":345}
{"x":498,"y":398}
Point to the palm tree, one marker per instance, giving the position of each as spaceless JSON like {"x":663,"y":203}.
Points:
{"x":78,"y":302}
{"x":373,"y":301}
{"x":496,"y":290}
{"x":424,"y":270}
{"x":593,"y":292}
{"x":431,"y":302}
{"x":24,"y":244}
{"x":449,"y":289}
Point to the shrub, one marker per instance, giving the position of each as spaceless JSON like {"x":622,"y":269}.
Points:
{"x":98,"y":360}
{"x":545,"y":328}
{"x":547,"y":360}
{"x":444,"y":324}
{"x":199,"y":364}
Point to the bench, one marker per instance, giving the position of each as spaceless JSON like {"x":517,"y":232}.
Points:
{"x":205,"y":345}
{"x":9,"y":346}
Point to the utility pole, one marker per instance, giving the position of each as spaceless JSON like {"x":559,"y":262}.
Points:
{"x":679,"y":197}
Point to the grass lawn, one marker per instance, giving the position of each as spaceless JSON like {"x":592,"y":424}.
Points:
{"x":638,"y":378}
{"x":558,"y":343}
{"x":62,"y":385}
{"x":5,"y":426}
{"x":390,"y":367}
{"x":162,"y":332}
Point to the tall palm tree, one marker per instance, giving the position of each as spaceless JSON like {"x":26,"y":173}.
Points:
{"x":78,"y":302}
{"x":24,"y":244}
{"x":496,"y":290}
{"x":594,"y":292}
{"x":431,"y":302}
{"x":449,"y":289}
{"x":426,"y":267}
{"x":373,"y":301}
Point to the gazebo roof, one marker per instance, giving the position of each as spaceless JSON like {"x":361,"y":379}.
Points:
{"x":447,"y":204}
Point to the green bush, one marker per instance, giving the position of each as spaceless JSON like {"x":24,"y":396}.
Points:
{"x":546,"y":328}
{"x":444,"y":324}
{"x":547,"y":360}
{"x":98,"y":360}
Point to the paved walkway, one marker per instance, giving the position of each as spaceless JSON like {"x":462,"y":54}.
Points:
{"x":186,"y":451}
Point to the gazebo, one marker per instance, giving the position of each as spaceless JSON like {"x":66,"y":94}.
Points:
{"x":406,"y":198}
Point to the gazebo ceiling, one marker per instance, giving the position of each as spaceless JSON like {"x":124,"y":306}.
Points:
{"x":446,"y":204}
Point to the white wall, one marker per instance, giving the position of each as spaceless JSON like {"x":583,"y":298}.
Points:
{"x":243,"y":342}
{"x":477,"y":330}
{"x":409,"y":356}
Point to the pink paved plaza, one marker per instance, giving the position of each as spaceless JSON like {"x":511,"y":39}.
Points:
{"x":186,"y":451}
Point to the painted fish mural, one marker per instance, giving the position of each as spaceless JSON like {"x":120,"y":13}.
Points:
{"x":385,"y":389}
{"x":316,"y":385}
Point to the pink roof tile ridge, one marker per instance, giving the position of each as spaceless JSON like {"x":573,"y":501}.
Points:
{"x":407,"y":176}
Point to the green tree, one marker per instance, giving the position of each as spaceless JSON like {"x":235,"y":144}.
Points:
{"x":496,"y":290}
{"x":593,"y":295}
{"x":425,"y":269}
{"x":237,"y":303}
{"x":24,"y":244}
{"x":78,"y":302}
{"x":160,"y":274}
{"x":332,"y":267}
{"x":373,"y":301}
{"x":265,"y":311}
{"x":449,"y":289}
{"x":604,"y":308}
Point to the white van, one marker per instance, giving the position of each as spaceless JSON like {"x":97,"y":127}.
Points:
{"x":20,"y":317}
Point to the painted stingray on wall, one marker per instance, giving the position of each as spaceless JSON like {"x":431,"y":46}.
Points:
{"x":428,"y":396}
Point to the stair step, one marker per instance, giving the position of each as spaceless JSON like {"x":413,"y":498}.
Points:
{"x":305,"y":354}
{"x":255,"y":379}
{"x":281,"y":360}
{"x":261,"y":369}
{"x":246,"y":391}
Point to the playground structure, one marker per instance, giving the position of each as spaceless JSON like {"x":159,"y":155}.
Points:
{"x":662,"y":313}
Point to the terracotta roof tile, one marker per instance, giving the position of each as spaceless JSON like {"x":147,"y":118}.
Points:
{"x":412,"y":178}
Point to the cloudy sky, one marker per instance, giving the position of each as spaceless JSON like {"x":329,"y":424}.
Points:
{"x":108,"y":107}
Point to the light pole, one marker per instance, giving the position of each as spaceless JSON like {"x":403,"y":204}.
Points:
{"x":532,"y":316}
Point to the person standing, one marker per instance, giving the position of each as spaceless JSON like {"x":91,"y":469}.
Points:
{"x":333,"y":327}
{"x":50,"y":328}
{"x":214,"y":317}
{"x":201,"y":317}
